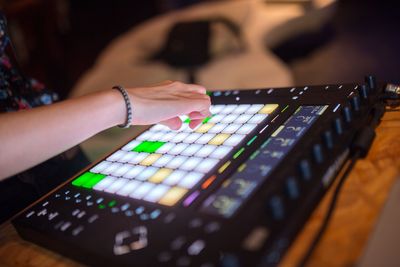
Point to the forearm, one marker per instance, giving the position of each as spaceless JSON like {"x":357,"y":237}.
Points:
{"x":33,"y":136}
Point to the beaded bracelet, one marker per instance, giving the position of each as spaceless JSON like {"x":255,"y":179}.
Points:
{"x":128,"y":122}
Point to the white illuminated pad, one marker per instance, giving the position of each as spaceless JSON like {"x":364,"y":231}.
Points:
{"x":217,"y":118}
{"x":168,"y":136}
{"x":157,"y":192}
{"x":117,"y":155}
{"x":128,"y":156}
{"x":254,"y":109}
{"x":191,"y":138}
{"x":228,"y":109}
{"x":191,"y":163}
{"x":243,"y":118}
{"x":191,"y":150}
{"x":175,"y":177}
{"x":106,"y":182}
{"x":162,"y":165}
{"x":205,"y":151}
{"x":142,"y":190}
{"x":116,"y":185}
{"x":134,"y":172}
{"x":221,"y":152}
{"x":232,"y":128}
{"x":216,"y":109}
{"x":128,"y":188}
{"x":163,"y":160}
{"x":247,"y":128}
{"x":176,"y":150}
{"x":190,"y":180}
{"x":101,"y":166}
{"x":217,"y":128}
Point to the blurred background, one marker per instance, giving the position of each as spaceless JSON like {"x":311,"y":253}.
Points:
{"x":58,"y":41}
{"x":76,"y":46}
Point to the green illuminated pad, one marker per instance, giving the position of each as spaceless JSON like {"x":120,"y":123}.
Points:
{"x":88,"y":179}
{"x":162,"y":165}
{"x":148,"y":146}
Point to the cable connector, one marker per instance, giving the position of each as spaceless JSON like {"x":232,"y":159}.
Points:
{"x":392,"y":88}
{"x":391,"y":95}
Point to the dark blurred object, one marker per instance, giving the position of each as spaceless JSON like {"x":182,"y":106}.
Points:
{"x":302,"y":45}
{"x":169,"y":5}
{"x":37,"y":28}
{"x":58,"y":40}
{"x":363,"y":39}
{"x":188,"y":44}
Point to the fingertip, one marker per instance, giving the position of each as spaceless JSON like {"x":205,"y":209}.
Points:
{"x":195,"y":123}
{"x":202,"y":90}
{"x":173,"y":123}
{"x":194,"y":115}
{"x":202,"y":106}
{"x":206,"y":113}
{"x":198,"y":88}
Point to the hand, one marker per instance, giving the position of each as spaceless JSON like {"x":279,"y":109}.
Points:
{"x":33,"y":136}
{"x":164,"y":102}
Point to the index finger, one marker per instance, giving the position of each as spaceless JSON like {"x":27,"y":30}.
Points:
{"x":197,"y":88}
{"x":201,"y":105}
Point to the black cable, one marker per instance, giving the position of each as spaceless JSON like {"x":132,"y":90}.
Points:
{"x":330,"y":210}
{"x":359,"y":148}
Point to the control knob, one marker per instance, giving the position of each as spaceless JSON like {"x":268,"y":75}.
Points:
{"x":337,"y":125}
{"x":355,"y":103}
{"x":363,"y":91}
{"x":371,"y":82}
{"x":347,"y":114}
{"x":328,"y":139}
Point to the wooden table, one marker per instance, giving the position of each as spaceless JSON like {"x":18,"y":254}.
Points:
{"x":360,"y":202}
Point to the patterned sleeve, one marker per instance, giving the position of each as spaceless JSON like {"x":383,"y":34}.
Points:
{"x":17,"y":91}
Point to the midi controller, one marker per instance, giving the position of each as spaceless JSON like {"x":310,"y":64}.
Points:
{"x":232,"y":192}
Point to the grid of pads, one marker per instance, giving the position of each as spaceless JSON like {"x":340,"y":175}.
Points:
{"x":162,"y":165}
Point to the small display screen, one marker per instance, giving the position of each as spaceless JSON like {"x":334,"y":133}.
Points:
{"x":162,"y":166}
{"x":254,"y":172}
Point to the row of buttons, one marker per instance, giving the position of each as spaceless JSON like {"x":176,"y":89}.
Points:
{"x":139,"y":211}
{"x":295,"y":91}
{"x":192,"y":249}
{"x":63,"y":224}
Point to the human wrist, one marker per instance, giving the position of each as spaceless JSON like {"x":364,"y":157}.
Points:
{"x":115,"y":108}
{"x":128,"y":106}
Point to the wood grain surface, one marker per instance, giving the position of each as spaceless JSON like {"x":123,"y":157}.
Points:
{"x":362,"y":197}
{"x":360,"y":202}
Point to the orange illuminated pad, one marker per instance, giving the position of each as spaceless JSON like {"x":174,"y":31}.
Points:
{"x":162,"y":166}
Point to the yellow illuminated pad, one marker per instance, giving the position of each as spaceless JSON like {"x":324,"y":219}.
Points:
{"x":204,"y":128}
{"x":219,"y":139}
{"x":150,"y":159}
{"x":172,"y":196}
{"x":268,"y":108}
{"x":147,"y":166}
{"x":160,"y":175}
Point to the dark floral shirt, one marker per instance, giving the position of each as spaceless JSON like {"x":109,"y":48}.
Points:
{"x":18,"y":92}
